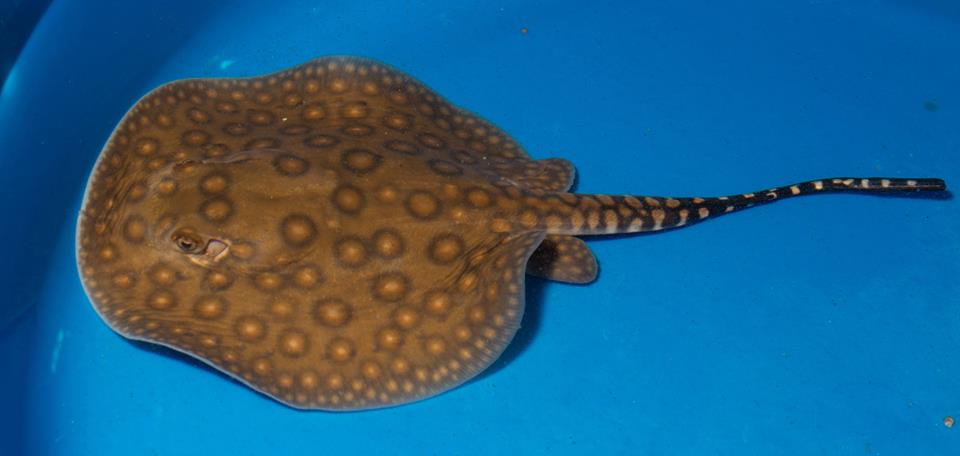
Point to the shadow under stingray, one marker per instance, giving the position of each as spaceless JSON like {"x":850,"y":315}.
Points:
{"x":529,"y":326}
{"x":181,"y":357}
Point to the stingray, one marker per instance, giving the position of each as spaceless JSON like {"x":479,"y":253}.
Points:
{"x":338,"y":236}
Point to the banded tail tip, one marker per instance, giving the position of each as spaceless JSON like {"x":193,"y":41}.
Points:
{"x":931,"y":185}
{"x":883,"y":184}
{"x":923,"y":184}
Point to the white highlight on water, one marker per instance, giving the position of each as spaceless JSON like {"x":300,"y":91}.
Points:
{"x":55,"y":356}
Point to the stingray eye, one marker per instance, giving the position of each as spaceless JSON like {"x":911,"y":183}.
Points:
{"x":186,"y":243}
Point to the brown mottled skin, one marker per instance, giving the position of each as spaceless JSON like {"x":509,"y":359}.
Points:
{"x":337,"y":236}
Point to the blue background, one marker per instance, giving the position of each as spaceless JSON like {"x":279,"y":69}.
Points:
{"x":822,"y":325}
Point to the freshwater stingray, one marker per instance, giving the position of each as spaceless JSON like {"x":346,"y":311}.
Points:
{"x":338,"y":236}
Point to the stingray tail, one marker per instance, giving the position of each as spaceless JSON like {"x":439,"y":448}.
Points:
{"x":608,"y":214}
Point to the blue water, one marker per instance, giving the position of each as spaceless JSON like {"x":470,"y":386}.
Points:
{"x":821,"y":325}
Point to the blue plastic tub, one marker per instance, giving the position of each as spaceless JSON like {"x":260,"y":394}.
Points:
{"x":821,"y":325}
